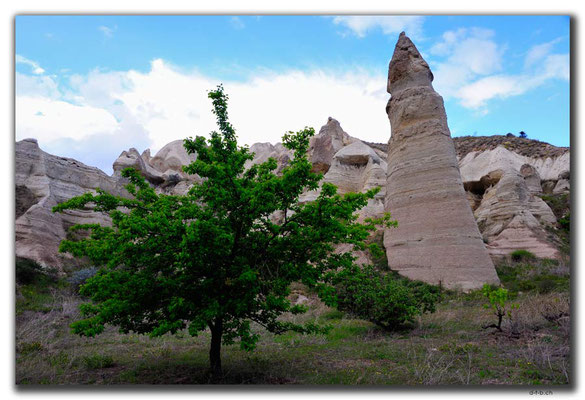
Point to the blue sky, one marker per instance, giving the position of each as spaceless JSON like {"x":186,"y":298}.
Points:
{"x":89,"y":87}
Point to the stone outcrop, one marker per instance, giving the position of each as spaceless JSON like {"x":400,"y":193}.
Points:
{"x":511,"y":217}
{"x":563,"y":184}
{"x":532,"y":178}
{"x":164,"y":171}
{"x":355,"y":166}
{"x":171,"y":158}
{"x":330,"y":139}
{"x":432,"y":188}
{"x":437,"y":239}
{"x":43,"y":181}
{"x":133,"y":159}
{"x":505,"y":187}
{"x":475,"y":164}
{"x":264,"y":151}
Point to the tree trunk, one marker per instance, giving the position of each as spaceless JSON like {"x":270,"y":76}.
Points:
{"x":500,"y":316}
{"x":215,"y":350}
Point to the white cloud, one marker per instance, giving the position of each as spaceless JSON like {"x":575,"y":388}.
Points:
{"x":469,"y":53}
{"x":48,"y":119}
{"x":36,"y":68}
{"x":33,"y":85}
{"x":165,"y":104}
{"x":475,"y":94}
{"x":363,"y":24}
{"x":471,"y":70}
{"x":107,"y":31}
{"x":237,"y":23}
{"x":539,"y":52}
{"x":555,"y":66}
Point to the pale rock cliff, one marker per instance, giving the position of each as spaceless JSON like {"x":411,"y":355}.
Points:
{"x":437,"y":239}
{"x":43,"y":181}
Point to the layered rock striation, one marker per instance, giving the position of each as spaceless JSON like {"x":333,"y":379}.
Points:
{"x":429,"y":186}
{"x":437,"y":239}
{"x":43,"y":181}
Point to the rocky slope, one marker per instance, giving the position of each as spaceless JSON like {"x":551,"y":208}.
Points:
{"x":509,"y":212}
{"x":433,"y":185}
{"x":43,"y":181}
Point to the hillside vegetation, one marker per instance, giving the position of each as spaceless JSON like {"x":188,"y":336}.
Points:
{"x":446,"y":347}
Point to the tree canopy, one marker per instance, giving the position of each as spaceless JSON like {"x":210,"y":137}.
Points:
{"x":223,"y":255}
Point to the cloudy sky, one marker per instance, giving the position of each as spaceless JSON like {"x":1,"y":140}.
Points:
{"x":90,"y":87}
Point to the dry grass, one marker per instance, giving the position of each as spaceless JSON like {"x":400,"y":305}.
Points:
{"x":447,"y":347}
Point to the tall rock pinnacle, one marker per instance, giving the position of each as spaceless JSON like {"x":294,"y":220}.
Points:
{"x":437,"y":239}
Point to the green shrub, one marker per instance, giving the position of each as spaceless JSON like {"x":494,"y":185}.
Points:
{"x":29,"y":347}
{"x":565,"y":222}
{"x":78,"y":278}
{"x":29,"y":271}
{"x":35,"y":298}
{"x":383,"y":298}
{"x":520,"y":255}
{"x":98,"y":361}
{"x":499,"y":303}
{"x":540,"y":275}
{"x":332,"y":315}
{"x":559,"y":203}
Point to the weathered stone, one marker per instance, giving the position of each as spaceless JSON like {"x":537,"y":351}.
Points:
{"x":475,"y":163}
{"x":43,"y":181}
{"x":437,"y":239}
{"x":326,"y":144}
{"x":264,"y":151}
{"x":133,"y":159}
{"x":562,"y":186}
{"x":357,"y":168}
{"x":513,"y":218}
{"x":532,"y":178}
{"x":172,"y":156}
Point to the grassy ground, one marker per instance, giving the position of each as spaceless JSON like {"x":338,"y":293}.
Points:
{"x":447,"y":347}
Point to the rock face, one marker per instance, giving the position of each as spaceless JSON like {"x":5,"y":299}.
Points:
{"x":42,"y":181}
{"x":476,"y":163}
{"x":433,"y":189}
{"x":506,"y":185}
{"x":512,"y":218}
{"x":437,"y":239}
{"x":133,"y":159}
{"x":330,"y":139}
{"x":164,"y":171}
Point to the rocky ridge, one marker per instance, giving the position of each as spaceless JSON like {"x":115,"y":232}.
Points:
{"x":43,"y":180}
{"x":503,"y":178}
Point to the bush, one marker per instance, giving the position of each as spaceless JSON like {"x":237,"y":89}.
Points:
{"x":499,"y":303}
{"x":98,"y":361}
{"x":78,"y":278}
{"x":29,"y":271}
{"x":539,"y":275}
{"x":520,"y":255}
{"x":29,"y":347}
{"x":565,"y":222}
{"x":383,"y":298}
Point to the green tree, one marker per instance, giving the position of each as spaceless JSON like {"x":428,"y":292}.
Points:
{"x":222,"y":256}
{"x":499,"y":303}
{"x":383,"y":298}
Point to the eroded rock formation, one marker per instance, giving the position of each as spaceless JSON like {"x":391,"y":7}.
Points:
{"x":43,"y":181}
{"x":511,"y":217}
{"x":437,"y":239}
{"x":434,"y":190}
